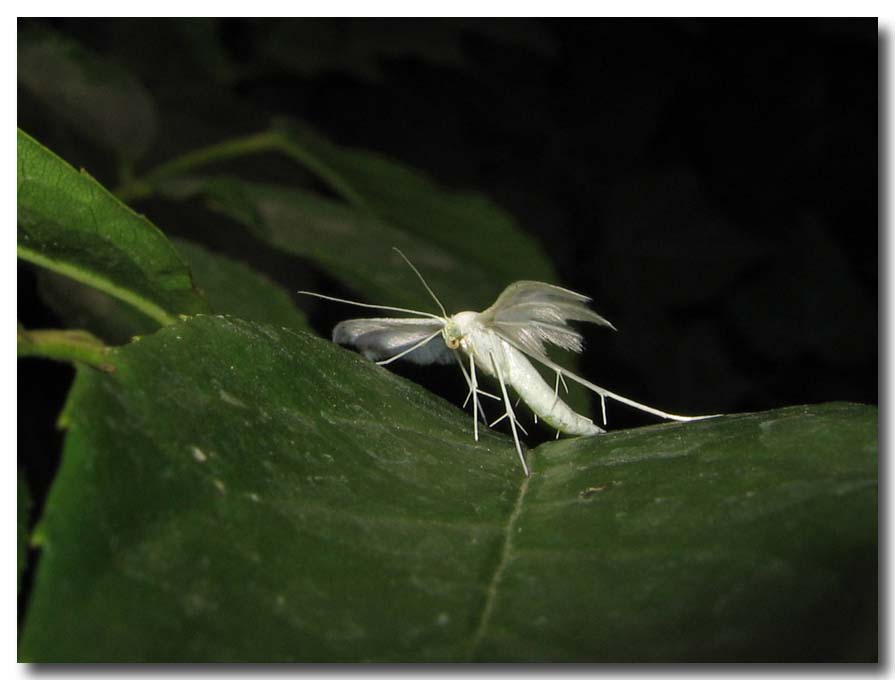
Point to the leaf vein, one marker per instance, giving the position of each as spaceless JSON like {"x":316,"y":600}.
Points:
{"x":505,"y":556}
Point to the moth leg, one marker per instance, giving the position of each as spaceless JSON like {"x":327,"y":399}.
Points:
{"x":518,"y":424}
{"x":563,"y":381}
{"x":603,"y":405}
{"x":510,"y":414}
{"x":386,"y":362}
{"x":469,"y":384}
{"x":482,"y":392}
{"x":481,"y":411}
{"x":475,"y":397}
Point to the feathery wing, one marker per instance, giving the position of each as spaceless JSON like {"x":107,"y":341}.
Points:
{"x":531,"y":313}
{"x":382,"y":339}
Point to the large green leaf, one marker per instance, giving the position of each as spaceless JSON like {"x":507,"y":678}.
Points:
{"x":69,"y":223}
{"x":287,"y":500}
{"x":95,"y":96}
{"x":750,"y":537}
{"x":229,"y":286}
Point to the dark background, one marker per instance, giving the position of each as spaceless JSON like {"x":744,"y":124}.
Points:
{"x":711,"y":184}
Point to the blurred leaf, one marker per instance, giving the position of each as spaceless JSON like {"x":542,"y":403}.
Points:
{"x":23,"y":516}
{"x":81,"y":306}
{"x":92,"y":94}
{"x":69,"y":223}
{"x":289,"y":501}
{"x":353,"y":246}
{"x":235,"y":289}
{"x":202,"y":37}
{"x":475,"y":247}
{"x":361,"y":47}
{"x":467,"y":223}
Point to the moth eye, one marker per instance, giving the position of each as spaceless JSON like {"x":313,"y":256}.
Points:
{"x":453,"y":343}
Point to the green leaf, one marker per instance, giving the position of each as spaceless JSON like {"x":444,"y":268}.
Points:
{"x":354,"y":246}
{"x":81,"y":306}
{"x":462,"y":241}
{"x":69,"y":223}
{"x":95,"y":96}
{"x":230,"y":287}
{"x":481,"y":234}
{"x":750,"y":537}
{"x":288,"y":501}
{"x":235,"y":289}
{"x":23,"y":516}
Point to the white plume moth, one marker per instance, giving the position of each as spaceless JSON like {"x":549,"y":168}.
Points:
{"x":499,"y":342}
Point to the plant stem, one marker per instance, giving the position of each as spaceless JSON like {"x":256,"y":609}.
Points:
{"x":64,"y":345}
{"x":240,"y":146}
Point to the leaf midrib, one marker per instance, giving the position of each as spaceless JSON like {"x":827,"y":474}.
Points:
{"x":491,"y":592}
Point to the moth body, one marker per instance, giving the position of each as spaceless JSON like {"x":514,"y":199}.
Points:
{"x":486,"y":348}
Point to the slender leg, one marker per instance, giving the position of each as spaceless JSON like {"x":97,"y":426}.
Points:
{"x":518,"y":424}
{"x":512,"y":417}
{"x":603,"y":404}
{"x":422,"y":342}
{"x":475,"y":396}
{"x":465,"y":377}
{"x":469,"y":394}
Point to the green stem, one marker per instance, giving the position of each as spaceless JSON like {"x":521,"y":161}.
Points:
{"x":65,"y":345}
{"x":240,"y":146}
{"x":261,"y":142}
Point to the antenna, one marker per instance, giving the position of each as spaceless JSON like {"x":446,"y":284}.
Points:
{"x":416,"y":271}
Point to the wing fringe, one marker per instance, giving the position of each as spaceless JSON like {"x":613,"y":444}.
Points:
{"x":534,"y":314}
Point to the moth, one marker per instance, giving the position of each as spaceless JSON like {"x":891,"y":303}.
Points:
{"x":500,"y":342}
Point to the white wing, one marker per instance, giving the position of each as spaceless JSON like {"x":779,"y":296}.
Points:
{"x":530,"y":314}
{"x":384,"y":339}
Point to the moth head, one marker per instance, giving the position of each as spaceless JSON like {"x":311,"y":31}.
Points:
{"x":457,"y":327}
{"x":452,"y":334}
